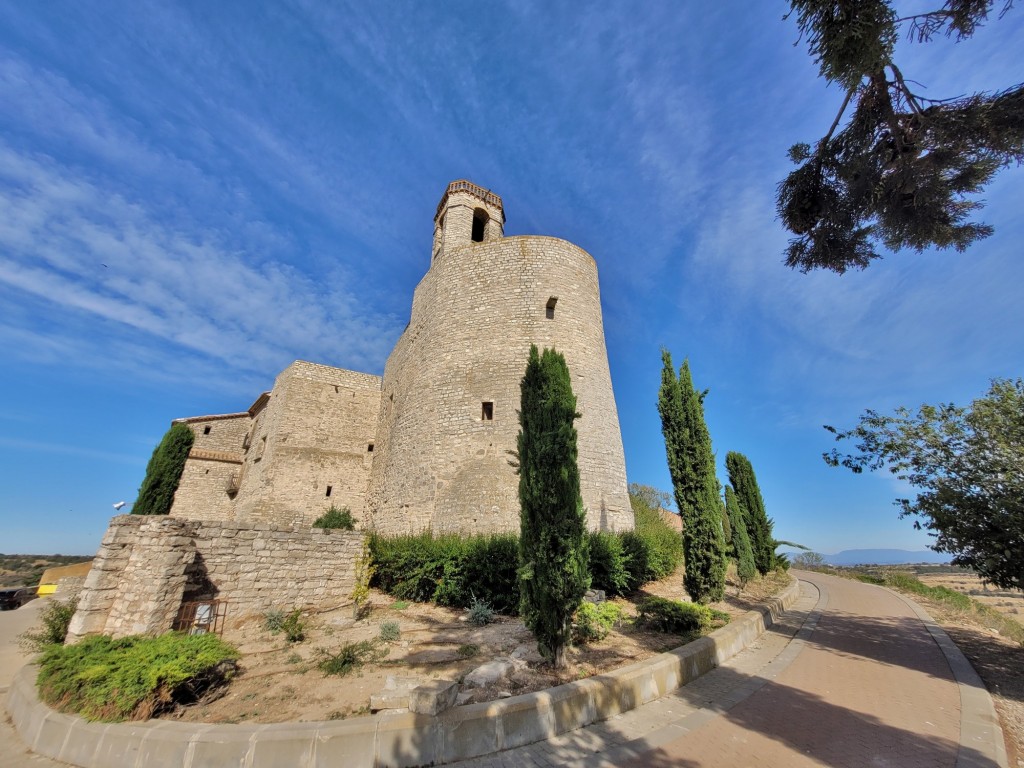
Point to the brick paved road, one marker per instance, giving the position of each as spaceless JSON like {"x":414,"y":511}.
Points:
{"x":852,"y":677}
{"x":13,"y":753}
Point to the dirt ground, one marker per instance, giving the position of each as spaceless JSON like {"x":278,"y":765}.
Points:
{"x":999,"y":660}
{"x":280,"y":681}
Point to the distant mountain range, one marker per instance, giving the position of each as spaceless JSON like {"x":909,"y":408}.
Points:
{"x":885,"y":557}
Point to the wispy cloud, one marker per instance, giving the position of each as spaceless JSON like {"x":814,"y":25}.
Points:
{"x":89,"y":251}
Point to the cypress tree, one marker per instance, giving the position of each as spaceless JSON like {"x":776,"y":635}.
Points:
{"x":745,"y":568}
{"x":164,"y":472}
{"x":553,"y":553}
{"x":748,"y":494}
{"x":691,"y":464}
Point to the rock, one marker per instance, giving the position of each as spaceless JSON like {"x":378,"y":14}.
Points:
{"x":489,"y":673}
{"x":463,"y":698}
{"x":594,"y":596}
{"x":434,"y":697}
{"x":527,"y":654}
{"x":395,"y":694}
{"x":504,"y":695}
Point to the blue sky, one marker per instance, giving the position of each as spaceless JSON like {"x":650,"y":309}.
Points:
{"x":192,"y":195}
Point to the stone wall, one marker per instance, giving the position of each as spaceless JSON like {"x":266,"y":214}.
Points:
{"x":213,"y":468}
{"x":443,"y":457}
{"x":147,"y":566}
{"x":312,"y":446}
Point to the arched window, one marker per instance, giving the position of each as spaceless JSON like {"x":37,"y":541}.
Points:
{"x":480,"y":219}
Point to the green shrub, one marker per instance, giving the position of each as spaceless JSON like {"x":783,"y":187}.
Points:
{"x":480,"y":613}
{"x":337,"y":519}
{"x":134,"y":677}
{"x":348,"y":658}
{"x":469,"y":650}
{"x":163,"y":473}
{"x":654,"y":548}
{"x":56,"y":618}
{"x":593,"y":622}
{"x":291,"y":624}
{"x":454,"y":570}
{"x":389,"y":631}
{"x":675,"y":616}
{"x":448,"y":570}
{"x":609,"y":563}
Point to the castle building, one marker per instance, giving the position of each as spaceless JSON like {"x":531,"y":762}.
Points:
{"x":431,"y":443}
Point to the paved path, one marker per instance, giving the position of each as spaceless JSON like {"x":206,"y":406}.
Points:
{"x":13,"y":753}
{"x":854,"y":675}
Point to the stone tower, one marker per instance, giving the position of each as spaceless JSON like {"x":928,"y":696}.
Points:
{"x":448,"y":423}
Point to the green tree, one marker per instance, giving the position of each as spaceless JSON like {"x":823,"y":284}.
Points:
{"x":748,"y":495}
{"x":745,"y":568}
{"x":904,"y":170}
{"x":164,"y":472}
{"x":553,"y":553}
{"x":968,"y":466}
{"x":691,"y":465}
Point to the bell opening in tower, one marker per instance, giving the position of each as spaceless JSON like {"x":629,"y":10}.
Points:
{"x":480,"y":219}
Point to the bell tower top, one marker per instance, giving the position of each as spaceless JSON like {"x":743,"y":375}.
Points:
{"x":467,"y":214}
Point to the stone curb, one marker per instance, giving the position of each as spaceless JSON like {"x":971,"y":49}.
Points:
{"x":981,"y":737}
{"x":392,"y":740}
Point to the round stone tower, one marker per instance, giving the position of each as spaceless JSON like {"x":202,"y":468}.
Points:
{"x":444,"y":455}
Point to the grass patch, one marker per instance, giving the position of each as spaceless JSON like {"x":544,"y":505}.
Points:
{"x":469,"y":650}
{"x":135,"y":677}
{"x":349,"y":658}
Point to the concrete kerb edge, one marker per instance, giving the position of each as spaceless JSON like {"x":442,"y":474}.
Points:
{"x":409,"y":739}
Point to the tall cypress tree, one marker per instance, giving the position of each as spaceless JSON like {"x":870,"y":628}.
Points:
{"x":748,"y":494}
{"x":745,"y":567}
{"x":691,"y":464}
{"x":553,"y":554}
{"x":163,"y":473}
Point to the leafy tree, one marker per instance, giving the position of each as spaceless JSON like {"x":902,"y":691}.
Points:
{"x":163,"y":472}
{"x":745,"y":568}
{"x":748,"y":496}
{"x":904,"y":169}
{"x":809,"y":560}
{"x":691,"y":465}
{"x":553,"y":534}
{"x":968,"y":466}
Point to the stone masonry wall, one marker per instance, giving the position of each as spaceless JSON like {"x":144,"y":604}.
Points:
{"x":215,"y":459}
{"x":313,"y":446}
{"x":442,"y":462}
{"x":146,"y":566}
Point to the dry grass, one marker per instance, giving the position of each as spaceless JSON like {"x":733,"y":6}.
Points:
{"x":432,"y":644}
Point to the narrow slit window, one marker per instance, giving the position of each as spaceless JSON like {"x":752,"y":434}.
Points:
{"x":487,"y":411}
{"x":329,"y":489}
{"x":206,"y":429}
{"x":549,"y":309}
{"x":369,"y":447}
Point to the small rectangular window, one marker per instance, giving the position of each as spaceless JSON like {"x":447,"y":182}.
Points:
{"x":549,"y":309}
{"x":329,"y":489}
{"x":206,"y":429}
{"x":369,"y":448}
{"x":487,"y":411}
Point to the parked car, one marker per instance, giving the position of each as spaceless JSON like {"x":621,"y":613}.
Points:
{"x":15,"y":597}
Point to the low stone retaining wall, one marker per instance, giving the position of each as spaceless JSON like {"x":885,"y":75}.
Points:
{"x":147,"y":565}
{"x":393,"y":740}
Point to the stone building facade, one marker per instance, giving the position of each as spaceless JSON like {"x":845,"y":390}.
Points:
{"x":428,"y":445}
